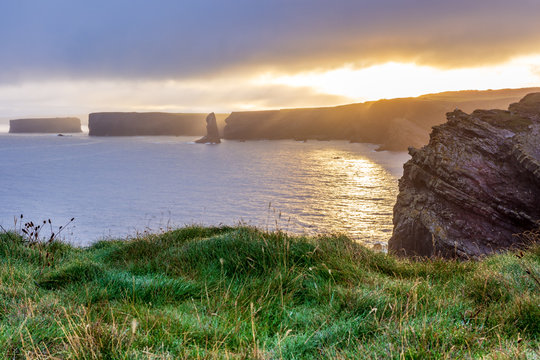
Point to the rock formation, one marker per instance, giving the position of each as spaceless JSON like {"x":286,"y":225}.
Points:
{"x":212,"y":132}
{"x":395,"y":124}
{"x":474,"y":186}
{"x":147,"y":123}
{"x":45,"y":125}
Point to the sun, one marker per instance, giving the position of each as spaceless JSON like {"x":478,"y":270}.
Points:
{"x":394,"y":79}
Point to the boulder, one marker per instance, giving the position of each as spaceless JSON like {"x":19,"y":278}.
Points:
{"x":212,"y":133}
{"x":474,"y":186}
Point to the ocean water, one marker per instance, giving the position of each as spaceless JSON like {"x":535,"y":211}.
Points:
{"x":117,"y":187}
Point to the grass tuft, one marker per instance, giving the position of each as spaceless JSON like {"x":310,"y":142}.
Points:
{"x":70,"y":273}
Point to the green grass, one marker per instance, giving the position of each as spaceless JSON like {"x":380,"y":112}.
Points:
{"x":241,"y":293}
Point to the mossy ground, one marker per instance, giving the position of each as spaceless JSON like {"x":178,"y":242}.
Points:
{"x":238,"y":292}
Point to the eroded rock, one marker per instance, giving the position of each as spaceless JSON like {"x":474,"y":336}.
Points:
{"x":212,"y":133}
{"x":474,"y":186}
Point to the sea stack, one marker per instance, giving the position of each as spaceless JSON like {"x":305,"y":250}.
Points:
{"x":212,"y":133}
{"x":45,"y":125}
{"x":474,"y":186}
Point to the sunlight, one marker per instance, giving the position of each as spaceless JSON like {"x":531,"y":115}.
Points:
{"x":346,"y":189}
{"x":393,"y":79}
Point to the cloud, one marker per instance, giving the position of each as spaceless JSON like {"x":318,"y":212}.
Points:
{"x":78,"y":98}
{"x":535,"y":70}
{"x":138,"y":39}
{"x":391,"y":80}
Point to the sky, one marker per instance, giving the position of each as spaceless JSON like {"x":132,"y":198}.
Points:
{"x":70,"y":57}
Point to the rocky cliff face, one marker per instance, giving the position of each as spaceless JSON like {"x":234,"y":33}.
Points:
{"x":45,"y":125}
{"x":212,"y":132}
{"x":474,"y":186}
{"x":395,"y":124}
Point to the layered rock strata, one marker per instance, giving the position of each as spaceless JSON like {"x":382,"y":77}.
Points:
{"x":45,"y":125}
{"x":474,"y":186}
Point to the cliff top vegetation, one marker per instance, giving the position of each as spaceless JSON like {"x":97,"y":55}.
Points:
{"x":239,"y":292}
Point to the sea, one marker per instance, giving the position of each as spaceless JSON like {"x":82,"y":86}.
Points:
{"x":121,"y":187}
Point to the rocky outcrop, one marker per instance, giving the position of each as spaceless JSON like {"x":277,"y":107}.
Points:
{"x":394,"y":124}
{"x":474,"y":186}
{"x":45,"y":125}
{"x":148,"y":123}
{"x":212,"y":132}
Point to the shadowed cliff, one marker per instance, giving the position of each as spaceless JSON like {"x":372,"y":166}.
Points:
{"x":149,"y":123}
{"x":394,"y":124}
{"x":45,"y":125}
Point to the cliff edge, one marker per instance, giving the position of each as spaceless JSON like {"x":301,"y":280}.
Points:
{"x":474,"y":186}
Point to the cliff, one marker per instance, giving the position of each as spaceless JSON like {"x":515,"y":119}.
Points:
{"x":394,"y":124}
{"x":474,"y":186}
{"x":147,"y":123}
{"x":45,"y":125}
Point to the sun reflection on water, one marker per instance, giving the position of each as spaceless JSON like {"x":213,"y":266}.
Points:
{"x":351,"y":193}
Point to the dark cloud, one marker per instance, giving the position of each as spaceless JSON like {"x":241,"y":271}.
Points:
{"x":194,"y":38}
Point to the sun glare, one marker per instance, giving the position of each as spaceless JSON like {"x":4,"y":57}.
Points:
{"x":392,"y":79}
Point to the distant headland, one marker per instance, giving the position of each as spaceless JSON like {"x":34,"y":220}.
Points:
{"x":148,"y":123}
{"x":394,"y":124}
{"x":45,"y":125}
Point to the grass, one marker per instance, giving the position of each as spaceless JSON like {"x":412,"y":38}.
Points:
{"x":242,"y":293}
